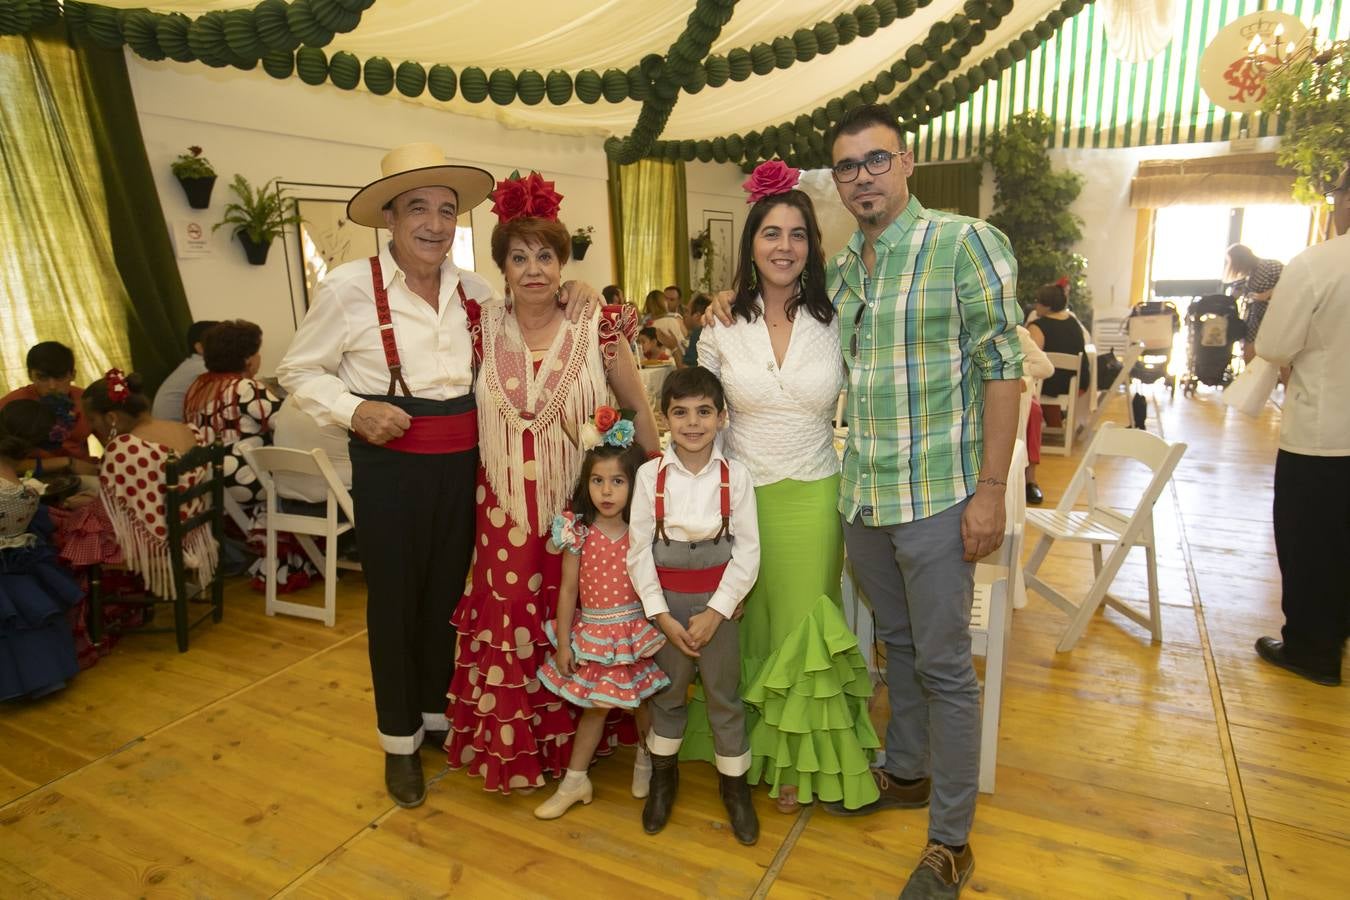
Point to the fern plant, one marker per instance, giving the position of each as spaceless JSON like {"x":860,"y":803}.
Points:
{"x":261,"y":213}
{"x":1311,"y":94}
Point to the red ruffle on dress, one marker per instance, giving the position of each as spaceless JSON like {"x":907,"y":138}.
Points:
{"x":612,"y":641}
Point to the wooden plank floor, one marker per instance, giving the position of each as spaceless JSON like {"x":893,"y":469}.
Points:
{"x":247,"y":767}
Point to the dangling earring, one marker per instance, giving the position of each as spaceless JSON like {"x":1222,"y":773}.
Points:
{"x":801,"y":284}
{"x":112,"y":428}
{"x":754,"y":277}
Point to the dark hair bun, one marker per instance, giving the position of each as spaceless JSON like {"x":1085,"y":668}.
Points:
{"x":24,"y":425}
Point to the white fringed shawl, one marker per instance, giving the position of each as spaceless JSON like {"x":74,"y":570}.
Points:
{"x":570,"y":385}
{"x":131,"y":483}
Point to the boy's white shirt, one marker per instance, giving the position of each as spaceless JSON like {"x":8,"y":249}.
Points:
{"x":694,"y":513}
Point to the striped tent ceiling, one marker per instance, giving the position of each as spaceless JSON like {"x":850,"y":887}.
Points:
{"x":1071,"y":74}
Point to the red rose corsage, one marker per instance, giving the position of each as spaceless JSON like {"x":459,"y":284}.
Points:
{"x":118,"y":391}
{"x":610,"y":426}
{"x":532,"y":196}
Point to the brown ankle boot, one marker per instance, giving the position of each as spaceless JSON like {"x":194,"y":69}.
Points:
{"x":735,"y":792}
{"x":661,"y":800}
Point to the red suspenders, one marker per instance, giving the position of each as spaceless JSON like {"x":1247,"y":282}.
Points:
{"x":387,"y":326}
{"x":661,"y":503}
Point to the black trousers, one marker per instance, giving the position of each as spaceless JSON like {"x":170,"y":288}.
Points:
{"x":1312,"y":541}
{"x":415,"y":527}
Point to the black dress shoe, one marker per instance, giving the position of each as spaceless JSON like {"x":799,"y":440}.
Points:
{"x":403,"y":779}
{"x":661,"y":795}
{"x":1034,"y":495}
{"x":434,"y":740}
{"x":735,"y":791}
{"x":1277,"y":654}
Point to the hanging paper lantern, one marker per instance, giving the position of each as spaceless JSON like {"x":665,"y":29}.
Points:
{"x":1055,"y":18}
{"x":301,"y":19}
{"x":473,"y":84}
{"x":975,"y":9}
{"x":666,"y":90}
{"x":334,"y":16}
{"x":976,"y":35}
{"x":916,"y":56}
{"x":1003,"y":56}
{"x":887,"y":11}
{"x":901,"y":71}
{"x":410,"y":78}
{"x":688,"y":150}
{"x":311,"y":64}
{"x":274,"y":30}
{"x":768,"y":138}
{"x":278,"y":64}
{"x":441,"y":82}
{"x":884,"y":82}
{"x":718,"y":70}
{"x":992,"y":67}
{"x":378,"y":74}
{"x":589,"y":86}
{"x":502,"y":86}
{"x":138,"y":29}
{"x":740,"y":63}
{"x":735,"y":146}
{"x":752,"y":143}
{"x":1071,"y":8}
{"x":867,"y":19}
{"x":530,"y":87}
{"x":852,"y":100}
{"x":104,"y":25}
{"x":703,"y":151}
{"x":868,"y":92}
{"x":962,"y":85}
{"x":697,"y":81}
{"x":1000,"y":7}
{"x":847,"y":24}
{"x":1044,"y":30}
{"x":762,"y":58}
{"x":241,"y":35}
{"x":834,"y":108}
{"x":639,"y":88}
{"x":827,"y":36}
{"x":1018,"y":50}
{"x":172,"y":34}
{"x":614,"y":85}
{"x":784,"y":51}
{"x":719,"y":150}
{"x":805,"y":43}
{"x":820,"y":118}
{"x":206,"y":37}
{"x":344,"y":70}
{"x":906,"y":8}
{"x":1030,"y":40}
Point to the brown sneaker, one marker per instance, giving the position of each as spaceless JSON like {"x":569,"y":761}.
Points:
{"x":940,"y":874}
{"x":894,"y":795}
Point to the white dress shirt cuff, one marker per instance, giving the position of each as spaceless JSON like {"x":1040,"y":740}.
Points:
{"x":724,"y":602}
{"x":344,"y":408}
{"x":655,"y":604}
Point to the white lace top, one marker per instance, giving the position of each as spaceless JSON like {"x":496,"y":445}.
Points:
{"x":779,"y":418}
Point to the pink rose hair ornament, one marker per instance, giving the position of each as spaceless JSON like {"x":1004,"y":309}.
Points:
{"x":770,"y":179}
{"x":530,"y":196}
{"x":609,"y":426}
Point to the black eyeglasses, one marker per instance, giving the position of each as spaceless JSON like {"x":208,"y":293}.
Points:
{"x":878,"y":162}
{"x":857,"y":325}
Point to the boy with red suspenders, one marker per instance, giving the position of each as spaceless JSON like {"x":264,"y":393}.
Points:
{"x":693,"y":556}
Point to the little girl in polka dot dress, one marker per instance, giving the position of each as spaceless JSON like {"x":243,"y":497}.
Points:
{"x":607,"y":662}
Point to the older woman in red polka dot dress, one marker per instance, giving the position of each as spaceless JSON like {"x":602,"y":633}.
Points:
{"x":539,"y":370}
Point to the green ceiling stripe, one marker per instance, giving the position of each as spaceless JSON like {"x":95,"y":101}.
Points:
{"x":1066,"y":121}
{"x":1043,"y":52}
{"x":1129,"y":111}
{"x":1192,"y":68}
{"x":1167,"y":55}
{"x":969,"y":147}
{"x":1209,"y":107}
{"x":1103,"y":74}
{"x":1183,"y":64}
{"x":1055,"y":111}
{"x":985,"y":93}
{"x":1142,"y":113}
{"x":1084,"y":74}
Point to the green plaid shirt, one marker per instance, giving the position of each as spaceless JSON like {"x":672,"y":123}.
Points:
{"x":936,"y":320}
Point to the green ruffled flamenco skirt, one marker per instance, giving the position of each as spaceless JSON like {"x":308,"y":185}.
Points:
{"x":804,"y":681}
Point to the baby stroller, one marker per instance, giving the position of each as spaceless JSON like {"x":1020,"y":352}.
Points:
{"x":1213,"y":325}
{"x":1152,"y":325}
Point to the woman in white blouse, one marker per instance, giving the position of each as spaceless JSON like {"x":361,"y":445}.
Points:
{"x":803,"y":678}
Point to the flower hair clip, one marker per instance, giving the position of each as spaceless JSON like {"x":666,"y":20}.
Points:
{"x":609,"y":426}
{"x":1063,"y":283}
{"x":530,"y":196}
{"x":770,"y":179}
{"x":118,"y":391}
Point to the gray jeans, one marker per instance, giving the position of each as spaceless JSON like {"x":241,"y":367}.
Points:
{"x":921,"y":591}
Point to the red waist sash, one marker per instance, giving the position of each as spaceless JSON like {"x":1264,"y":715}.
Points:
{"x":690,"y":581}
{"x":438,"y":434}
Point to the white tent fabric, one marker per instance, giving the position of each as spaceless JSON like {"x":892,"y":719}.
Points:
{"x":600,"y":34}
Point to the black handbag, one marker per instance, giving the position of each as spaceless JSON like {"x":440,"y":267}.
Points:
{"x":1108,"y":367}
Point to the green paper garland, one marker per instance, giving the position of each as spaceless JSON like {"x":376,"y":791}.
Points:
{"x":410,"y":78}
{"x":473,"y":84}
{"x":311,"y":64}
{"x":344,"y":70}
{"x":502,"y":86}
{"x":441,"y":82}
{"x":378,"y":74}
{"x":588,"y":85}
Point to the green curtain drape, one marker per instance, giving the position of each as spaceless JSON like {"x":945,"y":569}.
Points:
{"x":615,"y":191}
{"x":57,"y":267}
{"x":85,"y":255}
{"x":650,"y":226}
{"x":158,"y":316}
{"x":954,"y":187}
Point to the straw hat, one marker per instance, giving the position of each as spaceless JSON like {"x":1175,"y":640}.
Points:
{"x":414,"y":166}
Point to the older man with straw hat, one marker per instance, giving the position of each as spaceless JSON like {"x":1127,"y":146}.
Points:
{"x":388,"y":352}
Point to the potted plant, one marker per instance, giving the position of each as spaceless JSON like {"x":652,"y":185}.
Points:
{"x":701,"y":248}
{"x":258,"y":217}
{"x":195,"y":173}
{"x":1309,"y":92}
{"x":581,"y":241}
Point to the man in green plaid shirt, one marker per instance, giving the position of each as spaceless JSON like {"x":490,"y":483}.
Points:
{"x":927,"y":318}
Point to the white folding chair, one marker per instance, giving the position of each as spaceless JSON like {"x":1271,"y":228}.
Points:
{"x":991,"y":613}
{"x":1066,"y":403}
{"x":270,"y":462}
{"x":1103,"y":526}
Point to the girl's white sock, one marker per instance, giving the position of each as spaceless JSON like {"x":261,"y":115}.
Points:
{"x":574,"y":778}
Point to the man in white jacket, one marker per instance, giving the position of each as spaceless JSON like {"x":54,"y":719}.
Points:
{"x":1308,"y":328}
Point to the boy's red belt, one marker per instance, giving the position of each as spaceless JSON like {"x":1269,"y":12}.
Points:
{"x":690,"y":581}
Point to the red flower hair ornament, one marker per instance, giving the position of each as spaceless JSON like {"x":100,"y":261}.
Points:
{"x":518,"y":197}
{"x":770,"y":179}
{"x":1063,"y":283}
{"x":118,"y":391}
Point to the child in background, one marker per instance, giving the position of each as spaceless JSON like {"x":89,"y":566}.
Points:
{"x":37,"y":648}
{"x":606,"y":663}
{"x":649,"y":342}
{"x":693,"y":555}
